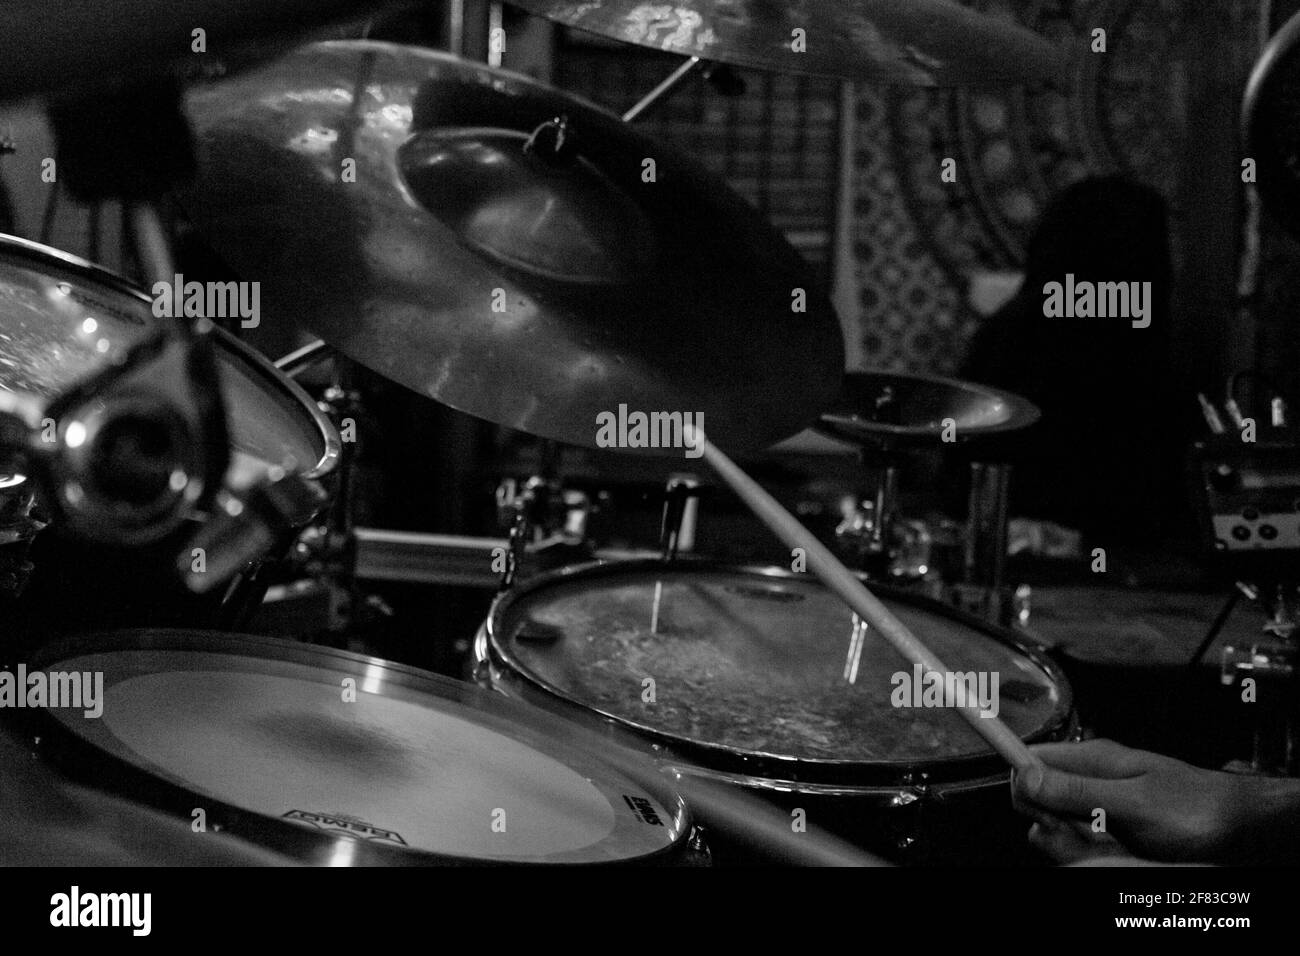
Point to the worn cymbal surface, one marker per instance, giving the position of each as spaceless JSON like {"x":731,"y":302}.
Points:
{"x":914,"y":42}
{"x":535,"y":288}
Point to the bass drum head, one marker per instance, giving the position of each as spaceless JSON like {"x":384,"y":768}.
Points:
{"x":764,"y":672}
{"x":343,"y":758}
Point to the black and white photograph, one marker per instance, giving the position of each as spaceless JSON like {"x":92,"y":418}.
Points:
{"x":565,"y":443}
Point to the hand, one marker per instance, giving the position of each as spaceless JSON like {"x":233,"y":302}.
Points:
{"x":1155,"y":806}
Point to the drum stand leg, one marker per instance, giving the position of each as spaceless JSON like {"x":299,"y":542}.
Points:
{"x":981,"y":590}
{"x":1272,"y":664}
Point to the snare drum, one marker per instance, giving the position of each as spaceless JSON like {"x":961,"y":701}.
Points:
{"x":61,"y":320}
{"x":335,"y":758}
{"x":764,"y":679}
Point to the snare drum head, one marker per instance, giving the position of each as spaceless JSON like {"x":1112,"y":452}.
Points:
{"x":760,"y":664}
{"x":361,"y":750}
{"x":62,"y":320}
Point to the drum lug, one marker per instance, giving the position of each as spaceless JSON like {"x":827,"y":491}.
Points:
{"x":907,"y":810}
{"x":697,"y":852}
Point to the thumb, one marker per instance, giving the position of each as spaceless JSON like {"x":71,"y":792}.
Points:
{"x":1064,"y":793}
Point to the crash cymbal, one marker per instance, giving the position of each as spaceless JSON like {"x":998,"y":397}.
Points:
{"x":887,"y":408}
{"x":916,"y":42}
{"x":422,"y":214}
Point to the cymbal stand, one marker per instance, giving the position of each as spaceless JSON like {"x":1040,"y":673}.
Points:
{"x":722,"y":77}
{"x":681,"y":509}
{"x":547,"y":521}
{"x":864,"y":534}
{"x":328,"y":550}
{"x":1272,"y":662}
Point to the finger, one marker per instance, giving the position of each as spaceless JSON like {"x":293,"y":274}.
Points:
{"x":1071,"y":841}
{"x":1094,"y":758}
{"x":1029,"y":809}
{"x":1023,"y":803}
{"x":1068,"y":794}
{"x":1061,"y":844}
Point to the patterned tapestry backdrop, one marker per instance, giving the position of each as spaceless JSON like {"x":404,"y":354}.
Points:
{"x":918,"y":242}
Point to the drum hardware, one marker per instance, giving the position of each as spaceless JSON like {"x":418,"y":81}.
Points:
{"x":930,"y":43}
{"x":305,"y":358}
{"x":20,"y":521}
{"x":241,"y":530}
{"x":133,"y":461}
{"x":867,"y":529}
{"x":321,"y":555}
{"x":123,"y":463}
{"x":120,"y":381}
{"x":1268,"y":123}
{"x":681,"y":513}
{"x":454,"y":560}
{"x":1272,"y":663}
{"x":544,"y":518}
{"x":1247,"y":497}
{"x":886,"y":414}
{"x":982,"y":589}
{"x":720,"y":76}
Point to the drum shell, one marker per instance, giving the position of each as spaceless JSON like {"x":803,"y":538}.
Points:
{"x":949,"y":811}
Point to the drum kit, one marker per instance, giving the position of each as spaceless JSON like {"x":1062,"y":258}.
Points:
{"x":528,"y":258}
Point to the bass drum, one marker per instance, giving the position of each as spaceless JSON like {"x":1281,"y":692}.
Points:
{"x":336,"y":758}
{"x":63,"y":319}
{"x":763,"y":679}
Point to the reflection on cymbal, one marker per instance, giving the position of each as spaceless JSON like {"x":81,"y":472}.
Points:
{"x":506,"y":249}
{"x":886,"y":408}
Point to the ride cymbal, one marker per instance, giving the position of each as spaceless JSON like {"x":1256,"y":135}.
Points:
{"x":915,"y":42}
{"x":506,"y":249}
{"x":888,"y":408}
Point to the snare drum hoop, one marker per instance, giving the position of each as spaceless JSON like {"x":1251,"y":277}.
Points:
{"x":331,"y":445}
{"x":756,"y":768}
{"x":76,"y":753}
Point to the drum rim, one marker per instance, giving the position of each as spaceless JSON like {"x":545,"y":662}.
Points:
{"x":331,"y":444}
{"x":768,"y":767}
{"x":74,"y":751}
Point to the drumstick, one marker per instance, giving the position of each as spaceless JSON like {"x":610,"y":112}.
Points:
{"x":866,"y":605}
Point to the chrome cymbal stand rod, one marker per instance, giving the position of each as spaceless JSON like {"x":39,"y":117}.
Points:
{"x":666,"y":86}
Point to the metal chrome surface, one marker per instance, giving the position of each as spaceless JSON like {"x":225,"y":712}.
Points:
{"x":1269,"y":113}
{"x":888,"y":407}
{"x":919,"y":42}
{"x":671,"y":295}
{"x":62,"y":318}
